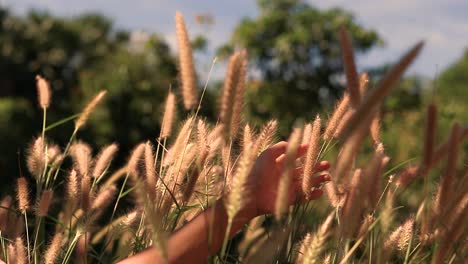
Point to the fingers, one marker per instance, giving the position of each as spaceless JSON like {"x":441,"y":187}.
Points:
{"x":319,"y":167}
{"x":316,"y":191}
{"x":317,"y":181}
{"x":277,"y":149}
{"x":301,"y":150}
{"x":322,"y":166}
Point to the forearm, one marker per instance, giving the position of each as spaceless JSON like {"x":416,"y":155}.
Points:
{"x":197,"y":240}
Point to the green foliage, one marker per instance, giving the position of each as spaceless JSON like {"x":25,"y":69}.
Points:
{"x":79,"y":56}
{"x":295,"y":49}
{"x":451,"y":92}
{"x":137,"y":84}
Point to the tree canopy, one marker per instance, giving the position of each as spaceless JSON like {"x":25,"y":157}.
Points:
{"x":79,"y":56}
{"x":294,"y":48}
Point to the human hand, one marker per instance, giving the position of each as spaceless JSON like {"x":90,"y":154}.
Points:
{"x":262,"y":184}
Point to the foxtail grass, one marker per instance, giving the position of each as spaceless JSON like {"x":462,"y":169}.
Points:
{"x":186,"y":67}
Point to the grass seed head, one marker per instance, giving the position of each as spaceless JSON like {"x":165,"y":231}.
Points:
{"x":88,"y":110}
{"x":22,"y":194}
{"x":44,"y":92}
{"x":104,"y":159}
{"x":44,"y":203}
{"x":187,"y":70}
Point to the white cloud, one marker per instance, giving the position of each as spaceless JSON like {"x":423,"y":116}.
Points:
{"x":402,"y":23}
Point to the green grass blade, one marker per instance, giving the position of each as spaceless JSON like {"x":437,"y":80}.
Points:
{"x":61,"y":122}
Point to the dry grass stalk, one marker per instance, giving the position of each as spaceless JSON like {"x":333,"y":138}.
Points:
{"x":250,"y":241}
{"x":282,"y":196}
{"x":311,"y":157}
{"x":334,"y":197}
{"x":350,"y":149}
{"x":429,"y":137}
{"x":20,"y":250}
{"x":44,"y":203}
{"x":81,"y":154}
{"x":183,"y":163}
{"x":350,"y":67}
{"x":457,"y":199}
{"x":133,"y":164}
{"x":336,"y":117}
{"x":442,"y":149}
{"x":11,"y":252}
{"x":316,"y":244}
{"x":44,"y":92}
{"x":266,"y":136}
{"x":375,"y":129}
{"x":386,"y":213}
{"x":400,"y":237}
{"x":89,"y":108}
{"x":190,"y":187}
{"x":458,"y":209}
{"x":36,"y":157}
{"x":54,"y":155}
{"x":445,"y":247}
{"x":306,"y":134}
{"x":239,"y":95}
{"x":18,"y":224}
{"x":254,"y":225}
{"x":214,"y":141}
{"x":233,"y":78}
{"x":54,"y":248}
{"x":375,"y":97}
{"x":151,"y":177}
{"x":5,"y":204}
{"x":81,"y":249}
{"x":247,"y":140}
{"x":116,"y":226}
{"x":180,"y":143}
{"x":456,"y":228}
{"x":22,"y":194}
{"x":187,"y":70}
{"x":446,"y":182}
{"x":169,"y":115}
{"x":104,"y":159}
{"x":202,"y":144}
{"x":85,"y":193}
{"x":368,"y":220}
{"x":73,"y":187}
{"x":131,"y":218}
{"x":373,"y":175}
{"x":363,"y":82}
{"x":238,"y":191}
{"x":344,"y":119}
{"x":104,"y":198}
{"x":303,"y":247}
{"x":352,"y":207}
{"x":407,"y":176}
{"x":226,"y":162}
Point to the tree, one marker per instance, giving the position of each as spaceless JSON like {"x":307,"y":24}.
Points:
{"x":79,"y":56}
{"x":294,"y":48}
{"x":451,"y":89}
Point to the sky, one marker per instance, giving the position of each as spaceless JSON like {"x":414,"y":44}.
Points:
{"x":443,"y":24}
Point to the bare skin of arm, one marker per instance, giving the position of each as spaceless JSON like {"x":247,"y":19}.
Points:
{"x":192,"y":243}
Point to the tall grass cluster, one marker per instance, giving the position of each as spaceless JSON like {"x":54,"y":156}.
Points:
{"x":72,"y":207}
